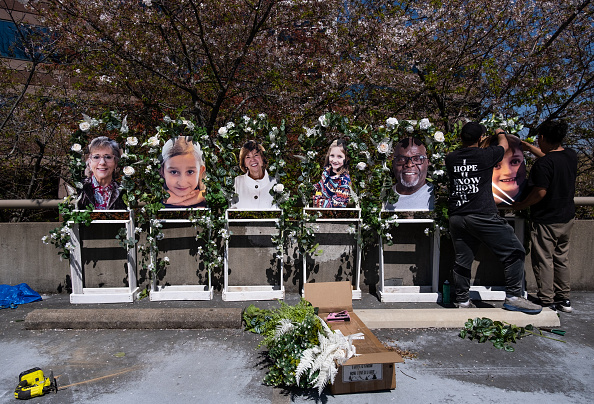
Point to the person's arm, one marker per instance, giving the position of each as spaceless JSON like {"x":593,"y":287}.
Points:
{"x":535,"y":196}
{"x":501,"y":139}
{"x":532,"y":149}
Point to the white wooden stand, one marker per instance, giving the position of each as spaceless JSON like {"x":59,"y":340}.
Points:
{"x":180,"y":292}
{"x":357,"y":222}
{"x":81,"y":294}
{"x":412,"y":293}
{"x":251,"y":292}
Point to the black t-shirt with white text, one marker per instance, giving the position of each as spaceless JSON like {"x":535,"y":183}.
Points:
{"x":556,"y":172}
{"x":470,"y":173}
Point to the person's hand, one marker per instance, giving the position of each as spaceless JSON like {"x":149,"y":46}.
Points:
{"x":192,"y":198}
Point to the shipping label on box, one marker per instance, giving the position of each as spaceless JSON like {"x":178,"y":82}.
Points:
{"x":359,"y":373}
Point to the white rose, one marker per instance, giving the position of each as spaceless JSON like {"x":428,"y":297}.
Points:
{"x":384,"y":147}
{"x":76,"y":148}
{"x":424,"y":124}
{"x":391,"y":123}
{"x":131,"y":141}
{"x":410,"y":129}
{"x":278,"y":188}
{"x":361,"y":166}
{"x":323,"y":121}
{"x":189,"y":125}
{"x":153,"y":141}
{"x":84,"y":126}
{"x":439,"y":137}
{"x":222,"y":131}
{"x":166,"y":260}
{"x":438,"y":173}
{"x":129,"y":171}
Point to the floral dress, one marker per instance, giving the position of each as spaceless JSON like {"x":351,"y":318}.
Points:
{"x":332,"y":191}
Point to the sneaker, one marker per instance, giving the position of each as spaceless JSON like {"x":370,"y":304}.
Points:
{"x":551,"y":306}
{"x":516,"y":303}
{"x":564,"y":306}
{"x":466,"y":305}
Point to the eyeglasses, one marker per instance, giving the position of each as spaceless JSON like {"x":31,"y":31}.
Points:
{"x":107,"y":157}
{"x":403,"y":160}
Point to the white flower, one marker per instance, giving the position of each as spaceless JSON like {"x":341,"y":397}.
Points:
{"x":424,"y":124}
{"x":222,"y":131}
{"x":45,"y":239}
{"x":438,"y":173}
{"x":166,"y":260}
{"x":230,"y":125}
{"x":79,"y":185}
{"x":189,"y":125}
{"x":427,"y":231}
{"x":131,"y":141}
{"x":511,"y":123}
{"x":436,"y":156}
{"x":129,"y":171}
{"x":310,"y":132}
{"x":391,"y":123}
{"x":148,"y":3}
{"x":76,"y":148}
{"x":323,"y":121}
{"x":389,"y":236}
{"x":166,"y":119}
{"x":503,"y":124}
{"x":278,"y":188}
{"x":249,"y":130}
{"x":69,"y":246}
{"x":262,"y":116}
{"x":384,"y":147}
{"x":361,"y":166}
{"x":311,"y":154}
{"x":410,"y":129}
{"x":439,"y":136}
{"x":124,"y":128}
{"x":84,"y":126}
{"x":153,"y":141}
{"x":124,"y":155}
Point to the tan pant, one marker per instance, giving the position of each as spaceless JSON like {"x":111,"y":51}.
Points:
{"x":550,"y":260}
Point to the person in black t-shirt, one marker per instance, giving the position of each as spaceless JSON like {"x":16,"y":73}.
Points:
{"x":552,"y":211}
{"x":474,"y":218}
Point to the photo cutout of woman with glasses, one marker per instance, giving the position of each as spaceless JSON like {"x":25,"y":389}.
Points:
{"x":409,"y":165}
{"x":100,"y":190}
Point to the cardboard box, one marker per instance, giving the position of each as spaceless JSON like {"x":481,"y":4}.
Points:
{"x":374,"y":369}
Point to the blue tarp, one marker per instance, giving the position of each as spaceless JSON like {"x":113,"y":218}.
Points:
{"x":12,"y":296}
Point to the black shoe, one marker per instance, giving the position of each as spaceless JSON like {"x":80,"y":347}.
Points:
{"x":564,"y":306}
{"x":552,"y":306}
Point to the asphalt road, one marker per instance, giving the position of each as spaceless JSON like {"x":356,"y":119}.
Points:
{"x":225,"y":366}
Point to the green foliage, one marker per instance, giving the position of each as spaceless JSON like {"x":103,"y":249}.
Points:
{"x":285,"y":350}
{"x":499,"y":333}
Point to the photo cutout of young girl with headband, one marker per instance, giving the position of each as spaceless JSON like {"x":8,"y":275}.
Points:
{"x":183,"y":169}
{"x":334,"y":189}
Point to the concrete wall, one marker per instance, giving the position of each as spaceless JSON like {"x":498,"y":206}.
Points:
{"x":251,"y":262}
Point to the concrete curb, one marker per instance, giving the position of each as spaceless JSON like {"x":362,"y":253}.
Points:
{"x":169,"y":318}
{"x":451,"y":318}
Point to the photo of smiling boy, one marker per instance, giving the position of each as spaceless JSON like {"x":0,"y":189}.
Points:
{"x":183,"y":169}
{"x":410,"y":165}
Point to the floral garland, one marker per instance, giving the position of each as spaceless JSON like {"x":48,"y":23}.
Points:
{"x":60,"y":236}
{"x":274,"y":139}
